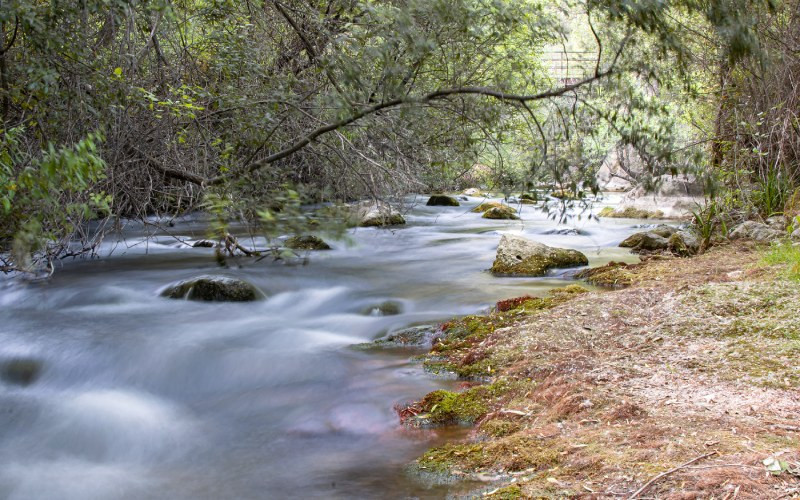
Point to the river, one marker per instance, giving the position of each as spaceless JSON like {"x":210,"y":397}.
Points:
{"x":137,"y":396}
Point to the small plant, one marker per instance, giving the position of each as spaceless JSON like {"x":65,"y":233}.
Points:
{"x":707,"y":219}
{"x":785,"y":254}
{"x":771,"y":194}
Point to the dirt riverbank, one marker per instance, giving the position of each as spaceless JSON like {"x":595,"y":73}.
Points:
{"x":613,"y":393}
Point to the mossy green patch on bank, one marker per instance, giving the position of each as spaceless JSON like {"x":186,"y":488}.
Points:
{"x":512,"y":453}
{"x":786,"y":256}
{"x":462,"y":335}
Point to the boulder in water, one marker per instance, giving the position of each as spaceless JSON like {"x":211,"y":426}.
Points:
{"x":378,"y":215}
{"x":487,"y":205}
{"x":213,"y":289}
{"x":204,"y":244}
{"x":20,"y":371}
{"x":630,"y":213}
{"x":501,"y":212}
{"x":306,"y":242}
{"x":442,"y":200}
{"x":518,"y":256}
{"x":473,"y":192}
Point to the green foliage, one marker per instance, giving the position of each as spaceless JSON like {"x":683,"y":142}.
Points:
{"x":770,"y":194}
{"x":46,"y":198}
{"x":784,"y":254}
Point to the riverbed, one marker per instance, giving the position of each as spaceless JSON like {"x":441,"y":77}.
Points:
{"x":132,"y":395}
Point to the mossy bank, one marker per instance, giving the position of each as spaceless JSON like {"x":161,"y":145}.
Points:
{"x":595,"y":394}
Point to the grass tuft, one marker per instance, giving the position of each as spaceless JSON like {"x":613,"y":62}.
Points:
{"x":785,"y":254}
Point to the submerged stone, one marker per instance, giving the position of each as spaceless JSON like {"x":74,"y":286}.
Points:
{"x":306,"y":242}
{"x":21,"y":371}
{"x":518,"y":256}
{"x":387,"y":308}
{"x":414,"y":336}
{"x":442,"y":200}
{"x":213,"y":289}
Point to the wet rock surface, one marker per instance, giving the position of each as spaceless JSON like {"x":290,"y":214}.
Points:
{"x":518,"y":256}
{"x":213,"y":289}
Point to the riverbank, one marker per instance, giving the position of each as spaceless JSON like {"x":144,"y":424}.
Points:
{"x":608,"y":393}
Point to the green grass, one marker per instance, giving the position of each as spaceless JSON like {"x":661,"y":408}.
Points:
{"x":784,"y":254}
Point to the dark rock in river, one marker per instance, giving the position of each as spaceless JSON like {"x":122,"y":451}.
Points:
{"x":442,"y":200}
{"x":213,"y":289}
{"x":518,"y":256}
{"x":306,"y":242}
{"x":415,"y":336}
{"x":204,"y":244}
{"x":387,"y":308}
{"x":20,"y":371}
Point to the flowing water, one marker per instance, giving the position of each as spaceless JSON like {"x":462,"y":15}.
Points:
{"x":111,"y":391}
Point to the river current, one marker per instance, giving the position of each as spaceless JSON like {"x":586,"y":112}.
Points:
{"x":131,"y":395}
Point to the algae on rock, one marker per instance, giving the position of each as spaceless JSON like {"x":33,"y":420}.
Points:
{"x":518,"y":256}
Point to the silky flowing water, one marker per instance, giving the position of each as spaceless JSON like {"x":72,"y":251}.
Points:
{"x":139,"y":396}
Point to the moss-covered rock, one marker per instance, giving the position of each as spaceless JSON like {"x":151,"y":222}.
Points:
{"x":647,"y":241}
{"x":518,"y":256}
{"x":630,"y":213}
{"x":503,"y":212}
{"x":385,"y":308}
{"x":414,"y":336}
{"x":213,"y":289}
{"x":306,"y":242}
{"x":613,"y":274}
{"x":487,"y":205}
{"x":442,"y":200}
{"x":684,"y":244}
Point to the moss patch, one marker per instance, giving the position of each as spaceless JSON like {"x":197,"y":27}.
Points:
{"x":487,"y":205}
{"x":630,"y":213}
{"x":501,"y":212}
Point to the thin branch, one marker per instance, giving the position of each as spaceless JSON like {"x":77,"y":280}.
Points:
{"x":667,"y":473}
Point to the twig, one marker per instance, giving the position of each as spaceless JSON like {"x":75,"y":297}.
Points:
{"x":667,"y":473}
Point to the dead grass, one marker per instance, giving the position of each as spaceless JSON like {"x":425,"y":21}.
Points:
{"x":622,"y":385}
